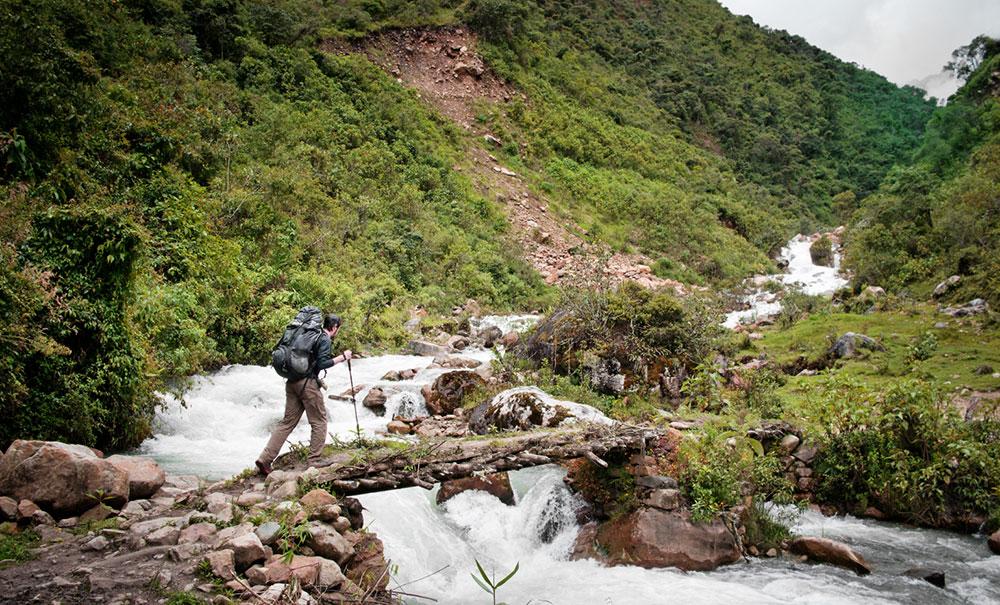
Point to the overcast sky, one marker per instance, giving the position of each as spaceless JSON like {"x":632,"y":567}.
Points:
{"x":904,"y":40}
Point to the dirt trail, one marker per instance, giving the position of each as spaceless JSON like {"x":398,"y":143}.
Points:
{"x":443,"y":67}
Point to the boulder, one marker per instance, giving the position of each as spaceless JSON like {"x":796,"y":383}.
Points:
{"x":650,"y":537}
{"x":164,"y":536}
{"x":497,"y":484}
{"x":375,"y":400}
{"x":144,"y":475}
{"x":994,"y":542}
{"x":521,"y":408}
{"x":368,"y":568}
{"x":848,"y":345}
{"x":197,"y":532}
{"x":328,"y":513}
{"x":426,"y":349}
{"x":317,"y":498}
{"x":824,"y":550}
{"x":97,"y":513}
{"x":60,"y":478}
{"x":8,"y":509}
{"x":789,"y":442}
{"x":328,"y":543}
{"x":456,"y":343}
{"x":489,"y":336}
{"x":398,"y":427}
{"x":449,"y":389}
{"x":249,"y":498}
{"x":222,"y":563}
{"x":353,"y":510}
{"x":605,"y":374}
{"x":247,"y":550}
{"x":973,"y":307}
{"x":872,"y":293}
{"x":665,"y":499}
{"x":945,"y":286}
{"x":268,"y":532}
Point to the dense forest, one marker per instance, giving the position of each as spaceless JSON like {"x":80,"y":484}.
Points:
{"x":939,"y":215}
{"x":179,"y":175}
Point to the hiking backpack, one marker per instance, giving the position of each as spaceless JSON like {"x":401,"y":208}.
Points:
{"x":294,"y":355}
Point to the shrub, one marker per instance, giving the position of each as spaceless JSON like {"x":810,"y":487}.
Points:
{"x":906,"y":451}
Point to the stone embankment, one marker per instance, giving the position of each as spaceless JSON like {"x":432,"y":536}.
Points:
{"x":119,"y":530}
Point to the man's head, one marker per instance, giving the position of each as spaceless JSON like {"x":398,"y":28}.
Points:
{"x":331,"y":323}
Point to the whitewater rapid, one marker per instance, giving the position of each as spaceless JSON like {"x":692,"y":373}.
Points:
{"x":228,"y":416}
{"x":440,"y":545}
{"x":800,"y":273}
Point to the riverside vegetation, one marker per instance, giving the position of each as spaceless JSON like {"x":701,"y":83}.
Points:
{"x":179,"y":177}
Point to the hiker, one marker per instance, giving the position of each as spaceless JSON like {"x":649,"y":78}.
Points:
{"x":303,"y":394}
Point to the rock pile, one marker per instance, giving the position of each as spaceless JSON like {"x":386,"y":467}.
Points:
{"x":257,"y":537}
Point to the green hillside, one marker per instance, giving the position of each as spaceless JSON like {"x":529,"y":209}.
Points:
{"x":179,"y":175}
{"x":940,"y":215}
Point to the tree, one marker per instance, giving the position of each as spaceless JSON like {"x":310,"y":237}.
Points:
{"x":967,"y":59}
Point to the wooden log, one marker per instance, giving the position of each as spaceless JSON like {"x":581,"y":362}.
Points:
{"x":596,"y":459}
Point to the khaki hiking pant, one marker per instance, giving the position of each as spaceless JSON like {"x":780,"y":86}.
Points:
{"x":300,"y":396}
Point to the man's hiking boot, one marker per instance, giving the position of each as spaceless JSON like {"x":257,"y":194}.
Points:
{"x":263,"y":467}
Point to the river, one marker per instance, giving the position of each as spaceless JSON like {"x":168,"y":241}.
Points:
{"x":229,"y":414}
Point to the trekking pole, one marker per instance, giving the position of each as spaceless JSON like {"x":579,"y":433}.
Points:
{"x":357,"y":425}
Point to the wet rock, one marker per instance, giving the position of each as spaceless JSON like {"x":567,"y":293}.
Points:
{"x":456,"y":343}
{"x":650,"y":537}
{"x":328,"y":543}
{"x":510,"y":339}
{"x":847,"y":345}
{"x":936,"y":578}
{"x":497,"y":484}
{"x":449,"y":390}
{"x":317,"y":498}
{"x":824,"y":550}
{"x":994,"y":542}
{"x":223,"y":563}
{"x":398,"y":427}
{"x":427,"y":349}
{"x":944,"y":287}
{"x":60,"y":478}
{"x":973,"y":307}
{"x":489,"y":336}
{"x":524,"y":407}
{"x":144,"y":475}
{"x":353,"y":509}
{"x":585,"y":546}
{"x":375,"y":400}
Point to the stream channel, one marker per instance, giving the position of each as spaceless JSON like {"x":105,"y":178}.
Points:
{"x":229,"y":414}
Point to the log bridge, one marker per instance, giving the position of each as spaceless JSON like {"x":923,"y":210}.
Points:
{"x":430,"y":462}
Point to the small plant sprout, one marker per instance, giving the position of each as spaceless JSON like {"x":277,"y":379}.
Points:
{"x":490,"y":583}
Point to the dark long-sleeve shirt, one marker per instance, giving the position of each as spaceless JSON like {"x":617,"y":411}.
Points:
{"x":324,"y":353}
